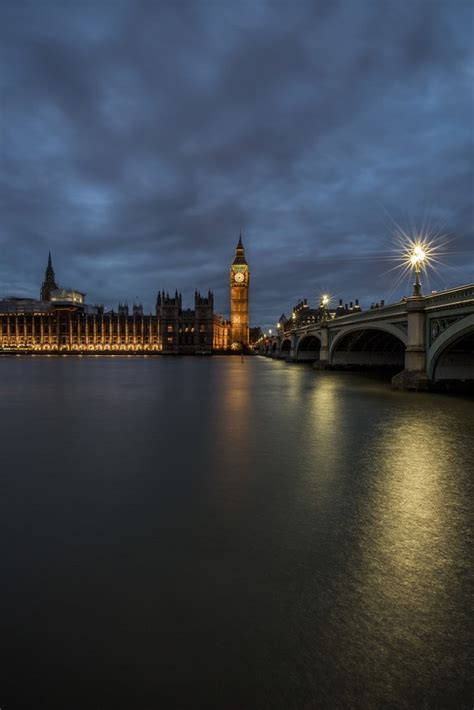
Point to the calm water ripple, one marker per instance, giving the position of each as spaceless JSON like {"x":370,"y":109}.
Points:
{"x":201,"y":533}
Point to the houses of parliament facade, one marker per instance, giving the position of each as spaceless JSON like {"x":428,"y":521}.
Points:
{"x":60,"y":321}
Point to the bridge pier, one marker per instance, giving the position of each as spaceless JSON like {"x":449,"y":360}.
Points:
{"x":323,"y":362}
{"x":414,"y":376}
{"x":292,"y":354}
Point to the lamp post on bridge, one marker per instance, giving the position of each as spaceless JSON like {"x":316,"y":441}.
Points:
{"x":324,"y":300}
{"x":414,"y":375}
{"x":323,"y":361}
{"x":417,"y":259}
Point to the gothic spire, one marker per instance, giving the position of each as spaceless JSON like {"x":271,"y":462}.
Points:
{"x":239,"y":252}
{"x":49,"y":284}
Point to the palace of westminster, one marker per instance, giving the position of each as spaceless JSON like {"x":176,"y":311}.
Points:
{"x":61,"y":321}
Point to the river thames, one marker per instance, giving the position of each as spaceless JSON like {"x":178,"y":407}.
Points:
{"x":206,"y":533}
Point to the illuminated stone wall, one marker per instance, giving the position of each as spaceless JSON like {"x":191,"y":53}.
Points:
{"x":221,"y":333}
{"x":71,"y":330}
{"x":75,"y":331}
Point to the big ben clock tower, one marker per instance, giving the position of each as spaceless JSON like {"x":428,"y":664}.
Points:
{"x":239,"y":298}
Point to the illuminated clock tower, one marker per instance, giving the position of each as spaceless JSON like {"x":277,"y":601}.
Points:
{"x":239,"y":298}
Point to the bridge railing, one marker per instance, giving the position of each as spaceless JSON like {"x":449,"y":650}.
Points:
{"x":453,"y":295}
{"x":390,"y":310}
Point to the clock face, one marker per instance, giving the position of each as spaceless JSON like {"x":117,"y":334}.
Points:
{"x":239,"y":277}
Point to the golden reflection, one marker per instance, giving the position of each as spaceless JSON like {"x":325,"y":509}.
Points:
{"x":253,"y":420}
{"x":324,"y":413}
{"x":403,"y":582}
{"x":320,"y":418}
{"x":232,"y":415}
{"x":410,"y":518}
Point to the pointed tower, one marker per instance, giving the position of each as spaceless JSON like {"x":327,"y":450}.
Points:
{"x":49,"y":284}
{"x":239,"y":298}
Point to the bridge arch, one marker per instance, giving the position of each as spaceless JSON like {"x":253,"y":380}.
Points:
{"x":377,"y":344}
{"x":307,"y":348}
{"x":451,"y":356}
{"x":285,"y":347}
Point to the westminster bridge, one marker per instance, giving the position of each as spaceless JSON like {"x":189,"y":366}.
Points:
{"x":430,"y":338}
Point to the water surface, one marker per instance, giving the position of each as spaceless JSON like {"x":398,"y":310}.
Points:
{"x":201,"y":533}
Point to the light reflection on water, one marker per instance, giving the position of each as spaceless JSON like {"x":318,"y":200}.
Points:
{"x":232,"y":535}
{"x":410,"y":560}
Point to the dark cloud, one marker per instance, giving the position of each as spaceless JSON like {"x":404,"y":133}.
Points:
{"x":138,"y":137}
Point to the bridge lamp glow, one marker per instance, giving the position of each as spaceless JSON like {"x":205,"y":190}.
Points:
{"x":325,"y":300}
{"x":418,"y":256}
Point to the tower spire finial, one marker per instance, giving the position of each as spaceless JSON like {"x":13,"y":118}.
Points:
{"x":49,"y":284}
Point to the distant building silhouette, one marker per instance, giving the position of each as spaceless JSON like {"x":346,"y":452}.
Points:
{"x":49,"y":284}
{"x":303,"y":314}
{"x":189,"y":331}
{"x":61,"y":321}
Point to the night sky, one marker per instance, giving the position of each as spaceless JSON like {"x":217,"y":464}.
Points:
{"x":137,"y":138}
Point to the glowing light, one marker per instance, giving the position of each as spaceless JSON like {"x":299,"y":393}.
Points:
{"x":418,"y":254}
{"x":416,"y":250}
{"x":325,"y":299}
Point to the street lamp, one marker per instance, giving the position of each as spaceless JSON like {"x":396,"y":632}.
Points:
{"x":417,"y":260}
{"x":324,"y":301}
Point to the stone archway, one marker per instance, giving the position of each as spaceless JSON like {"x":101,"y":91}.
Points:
{"x":369,"y":346}
{"x":285,"y":348}
{"x":451,"y":357}
{"x":307,"y":348}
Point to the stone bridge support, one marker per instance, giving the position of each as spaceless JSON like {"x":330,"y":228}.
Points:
{"x":293,"y":349}
{"x":323,"y":362}
{"x":414,"y":376}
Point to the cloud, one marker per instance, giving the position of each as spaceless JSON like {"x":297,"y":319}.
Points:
{"x":137,"y":138}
